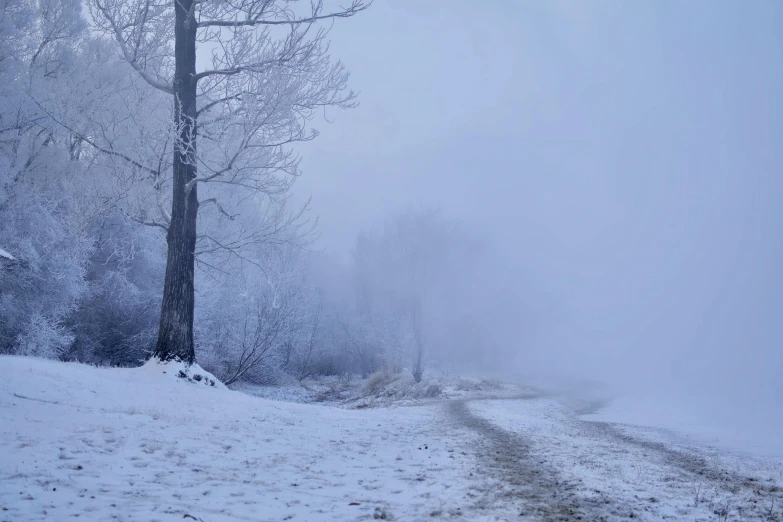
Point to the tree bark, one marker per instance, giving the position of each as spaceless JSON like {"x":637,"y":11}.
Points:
{"x":175,"y":336}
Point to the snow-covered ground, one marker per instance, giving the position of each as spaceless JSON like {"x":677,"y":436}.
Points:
{"x":382,"y":389}
{"x":726,"y":432}
{"x":118,"y":444}
{"x":607,"y":471}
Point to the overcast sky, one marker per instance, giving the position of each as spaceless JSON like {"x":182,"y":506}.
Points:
{"x":625,"y":158}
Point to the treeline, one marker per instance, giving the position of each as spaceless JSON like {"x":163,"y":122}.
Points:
{"x":85,"y":182}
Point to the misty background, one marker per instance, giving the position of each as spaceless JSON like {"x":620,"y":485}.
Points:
{"x":578,"y":195}
{"x":622,"y":161}
{"x":503,"y":259}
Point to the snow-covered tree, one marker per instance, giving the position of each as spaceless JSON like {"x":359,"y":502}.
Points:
{"x":251,"y":321}
{"x":263,"y":71}
{"x":115,"y":322}
{"x":399,"y":270}
{"x":43,"y":217}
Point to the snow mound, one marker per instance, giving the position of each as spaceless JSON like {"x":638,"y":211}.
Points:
{"x":184,"y":372}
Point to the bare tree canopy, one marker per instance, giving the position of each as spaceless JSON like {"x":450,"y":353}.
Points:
{"x":268,"y":70}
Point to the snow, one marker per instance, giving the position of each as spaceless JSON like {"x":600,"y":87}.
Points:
{"x":137,"y":444}
{"x":147,"y":444}
{"x":175,"y":370}
{"x":725,"y":433}
{"x":654,"y":474}
{"x":390,"y":391}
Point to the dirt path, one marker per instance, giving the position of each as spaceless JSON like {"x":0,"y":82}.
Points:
{"x":561,"y":468}
{"x":541,"y":492}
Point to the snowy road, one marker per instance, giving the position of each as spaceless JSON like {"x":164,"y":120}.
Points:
{"x":83,"y":443}
{"x":557,"y":467}
{"x":528,"y":481}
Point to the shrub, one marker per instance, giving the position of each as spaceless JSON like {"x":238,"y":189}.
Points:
{"x":377,"y":381}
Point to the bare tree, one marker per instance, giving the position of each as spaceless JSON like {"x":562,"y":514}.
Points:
{"x":398,"y":272}
{"x":357,"y":345}
{"x":267,"y":72}
{"x":418,"y":347}
{"x":300,"y":347}
{"x":260,"y":331}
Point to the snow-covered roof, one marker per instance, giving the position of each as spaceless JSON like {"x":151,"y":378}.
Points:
{"x":6,"y":255}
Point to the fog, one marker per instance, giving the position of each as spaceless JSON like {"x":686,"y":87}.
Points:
{"x":581,"y":195}
{"x":621,"y":161}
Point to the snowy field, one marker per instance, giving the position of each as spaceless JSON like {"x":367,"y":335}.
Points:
{"x":84,"y":443}
{"x":726,"y":432}
{"x":118,"y":444}
{"x":606,"y":471}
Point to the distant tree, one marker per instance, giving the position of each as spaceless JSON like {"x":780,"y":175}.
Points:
{"x":264,"y":72}
{"x":398,"y":270}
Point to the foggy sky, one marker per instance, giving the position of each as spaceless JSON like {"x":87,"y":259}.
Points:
{"x":624,"y":159}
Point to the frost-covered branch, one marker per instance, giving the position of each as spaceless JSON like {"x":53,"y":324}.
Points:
{"x":258,"y":13}
{"x":138,"y":43}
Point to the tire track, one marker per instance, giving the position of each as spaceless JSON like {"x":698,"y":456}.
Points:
{"x":755,"y":498}
{"x":543,"y":493}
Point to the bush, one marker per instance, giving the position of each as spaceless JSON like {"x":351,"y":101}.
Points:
{"x":433,"y":390}
{"x":377,"y":381}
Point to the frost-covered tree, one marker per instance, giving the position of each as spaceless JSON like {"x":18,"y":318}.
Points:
{"x":399,"y":271}
{"x":79,"y":284}
{"x":43,"y":216}
{"x":261,"y":72}
{"x":115,"y":322}
{"x":251,"y":321}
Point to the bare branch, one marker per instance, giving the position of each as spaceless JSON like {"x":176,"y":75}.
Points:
{"x":202,"y":204}
{"x":146,"y":223}
{"x":97,"y":147}
{"x":356,"y":7}
{"x":254,"y":67}
{"x":130,"y":57}
{"x":214,"y":103}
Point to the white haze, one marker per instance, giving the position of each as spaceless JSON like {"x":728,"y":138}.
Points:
{"x":621,"y":161}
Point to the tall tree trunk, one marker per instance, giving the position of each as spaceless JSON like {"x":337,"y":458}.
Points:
{"x":418,"y":368}
{"x":175,"y":337}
